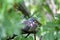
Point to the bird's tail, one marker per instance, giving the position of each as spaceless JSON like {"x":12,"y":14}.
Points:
{"x":21,"y":7}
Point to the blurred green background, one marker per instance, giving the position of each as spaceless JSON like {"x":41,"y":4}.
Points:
{"x":47,"y":12}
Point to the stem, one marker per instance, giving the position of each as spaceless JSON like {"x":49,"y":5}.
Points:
{"x":35,"y":36}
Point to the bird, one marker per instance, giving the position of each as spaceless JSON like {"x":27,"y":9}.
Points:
{"x":31,"y":23}
{"x":30,"y":26}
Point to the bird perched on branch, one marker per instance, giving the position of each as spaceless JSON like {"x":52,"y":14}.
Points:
{"x":31,"y":23}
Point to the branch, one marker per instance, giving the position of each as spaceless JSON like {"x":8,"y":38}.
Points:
{"x":35,"y":36}
{"x":9,"y":38}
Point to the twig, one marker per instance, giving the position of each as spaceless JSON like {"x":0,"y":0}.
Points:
{"x":27,"y":35}
{"x":12,"y":37}
{"x":35,"y":36}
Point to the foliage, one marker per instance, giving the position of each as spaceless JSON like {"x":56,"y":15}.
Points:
{"x":11,"y":20}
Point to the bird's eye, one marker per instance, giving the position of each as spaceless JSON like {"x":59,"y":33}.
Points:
{"x":35,"y":21}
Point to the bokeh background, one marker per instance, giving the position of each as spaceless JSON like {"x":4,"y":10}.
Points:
{"x":47,"y":12}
